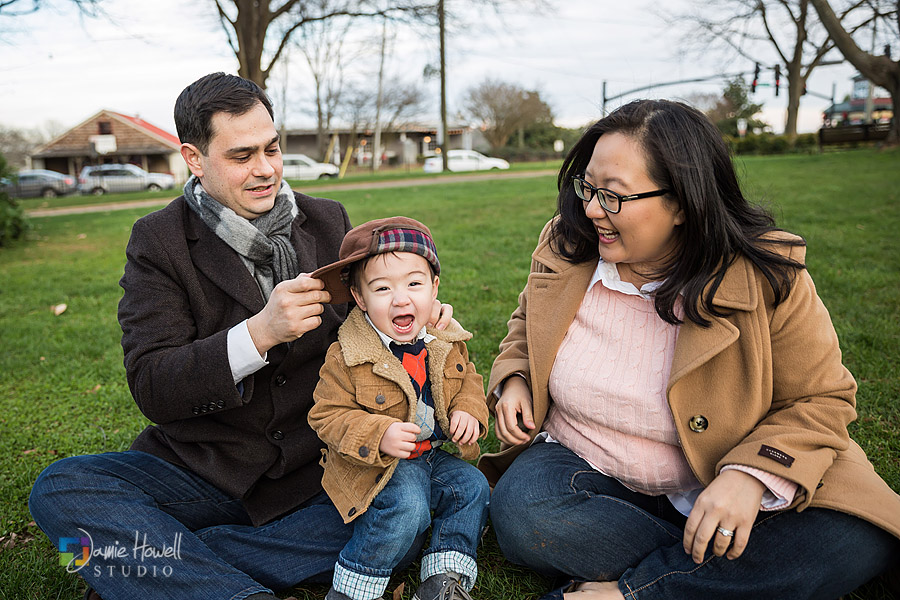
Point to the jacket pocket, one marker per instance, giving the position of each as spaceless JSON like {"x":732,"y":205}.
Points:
{"x":454,"y":373}
{"x":380,"y":398}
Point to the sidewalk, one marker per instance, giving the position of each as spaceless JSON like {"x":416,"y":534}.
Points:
{"x":315,"y":191}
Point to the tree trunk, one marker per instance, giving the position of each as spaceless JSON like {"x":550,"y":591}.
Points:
{"x":795,"y":86}
{"x":445,"y":135}
{"x":253,"y":18}
{"x":880,"y":70}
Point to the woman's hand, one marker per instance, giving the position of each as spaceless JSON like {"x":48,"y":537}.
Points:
{"x":731,"y":502}
{"x":515,"y":400}
{"x":441,"y":315}
{"x":399,"y":440}
{"x":464,"y":428}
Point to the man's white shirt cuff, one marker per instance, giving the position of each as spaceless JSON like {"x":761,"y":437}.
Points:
{"x":242,"y":354}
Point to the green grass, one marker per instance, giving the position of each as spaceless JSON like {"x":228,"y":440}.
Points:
{"x":62,"y":384}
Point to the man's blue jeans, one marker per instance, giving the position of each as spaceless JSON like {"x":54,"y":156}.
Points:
{"x":552,"y":512}
{"x":167,"y":533}
{"x":454,"y":490}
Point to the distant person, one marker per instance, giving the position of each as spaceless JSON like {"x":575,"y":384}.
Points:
{"x":392,"y":397}
{"x":670,"y":395}
{"x":224,"y":334}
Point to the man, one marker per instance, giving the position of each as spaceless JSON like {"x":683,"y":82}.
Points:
{"x":224,"y":335}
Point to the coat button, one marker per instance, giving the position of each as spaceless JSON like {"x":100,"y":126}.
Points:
{"x":363,"y":451}
{"x":277,"y":435}
{"x":220,"y":404}
{"x":352,"y":512}
{"x":459,"y":368}
{"x":195,"y":410}
{"x":379,"y":399}
{"x":280,"y":380}
{"x":378,"y":477}
{"x":698,"y":423}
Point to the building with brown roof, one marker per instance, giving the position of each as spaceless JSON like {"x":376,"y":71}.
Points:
{"x":112,"y":137}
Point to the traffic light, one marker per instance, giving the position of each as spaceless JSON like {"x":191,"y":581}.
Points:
{"x":777,"y":78}
{"x":755,"y":79}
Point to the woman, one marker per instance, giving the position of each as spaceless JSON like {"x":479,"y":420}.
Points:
{"x":681,"y":385}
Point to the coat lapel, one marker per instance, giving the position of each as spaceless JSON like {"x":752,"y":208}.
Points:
{"x":222,"y":265}
{"x":553,"y":300}
{"x":697,"y":345}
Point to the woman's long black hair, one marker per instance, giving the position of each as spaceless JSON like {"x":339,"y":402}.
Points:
{"x":686,"y":155}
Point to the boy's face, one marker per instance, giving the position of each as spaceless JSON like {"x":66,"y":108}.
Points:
{"x":397,"y":291}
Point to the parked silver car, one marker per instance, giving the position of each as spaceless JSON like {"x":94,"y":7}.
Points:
{"x":114,"y":178}
{"x":36,"y":183}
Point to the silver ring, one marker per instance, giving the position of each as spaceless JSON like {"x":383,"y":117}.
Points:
{"x":725,"y":532}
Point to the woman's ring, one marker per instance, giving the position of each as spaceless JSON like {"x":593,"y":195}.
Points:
{"x":725,"y":532}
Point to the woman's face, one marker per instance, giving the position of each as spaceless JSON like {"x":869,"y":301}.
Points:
{"x":640,"y":236}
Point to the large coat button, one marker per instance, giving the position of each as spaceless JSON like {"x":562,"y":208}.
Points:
{"x":379,"y":399}
{"x":277,"y":435}
{"x":363,"y":451}
{"x":698,"y":423}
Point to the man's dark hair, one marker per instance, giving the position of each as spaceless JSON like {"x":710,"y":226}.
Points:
{"x":213,"y":93}
{"x":687,"y":156}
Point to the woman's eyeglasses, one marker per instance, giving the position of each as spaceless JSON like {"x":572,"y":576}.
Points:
{"x":609,"y":200}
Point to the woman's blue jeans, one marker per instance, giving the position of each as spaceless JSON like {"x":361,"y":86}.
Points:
{"x":167,"y":533}
{"x":555,"y":514}
{"x":436,"y":490}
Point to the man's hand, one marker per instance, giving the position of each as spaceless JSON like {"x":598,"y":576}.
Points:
{"x":464,"y":428}
{"x":399,"y":440}
{"x":516,"y":400}
{"x":441,"y":315}
{"x":292,"y":310}
{"x":731,"y":502}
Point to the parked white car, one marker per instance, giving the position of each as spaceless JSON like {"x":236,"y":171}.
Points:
{"x":464,"y":160}
{"x":300,"y":166}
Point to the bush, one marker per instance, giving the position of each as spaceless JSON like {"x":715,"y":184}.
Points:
{"x":13,"y":223}
{"x":767,"y":143}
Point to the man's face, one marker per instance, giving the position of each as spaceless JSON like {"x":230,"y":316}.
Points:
{"x":242,"y":167}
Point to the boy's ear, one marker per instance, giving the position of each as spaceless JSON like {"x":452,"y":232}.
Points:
{"x":434,"y":292}
{"x":358,"y":298}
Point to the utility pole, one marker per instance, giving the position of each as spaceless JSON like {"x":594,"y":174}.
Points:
{"x":445,"y":140}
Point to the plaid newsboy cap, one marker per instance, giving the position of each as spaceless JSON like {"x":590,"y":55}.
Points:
{"x":393,"y":234}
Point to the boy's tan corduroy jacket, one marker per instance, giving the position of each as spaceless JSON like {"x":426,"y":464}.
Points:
{"x":363,"y":389}
{"x":763,"y":386}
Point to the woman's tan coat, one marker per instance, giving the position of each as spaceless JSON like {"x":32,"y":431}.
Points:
{"x":763,"y":387}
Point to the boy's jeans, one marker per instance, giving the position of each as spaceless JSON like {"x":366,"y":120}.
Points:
{"x":458,"y":494}
{"x":167,"y":533}
{"x":554,"y":513}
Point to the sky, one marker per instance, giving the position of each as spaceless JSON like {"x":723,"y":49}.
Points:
{"x":58,"y":69}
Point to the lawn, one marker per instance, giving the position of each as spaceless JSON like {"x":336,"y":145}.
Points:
{"x":62,"y":384}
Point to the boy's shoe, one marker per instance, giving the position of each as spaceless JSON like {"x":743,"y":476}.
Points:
{"x":443,"y":586}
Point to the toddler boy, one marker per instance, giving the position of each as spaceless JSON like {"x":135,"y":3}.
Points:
{"x":391,"y":398}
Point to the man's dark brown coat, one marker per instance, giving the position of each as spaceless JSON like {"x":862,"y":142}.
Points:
{"x":184,"y":289}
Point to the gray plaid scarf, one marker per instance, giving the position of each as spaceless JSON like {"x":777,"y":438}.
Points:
{"x":263,"y":242}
